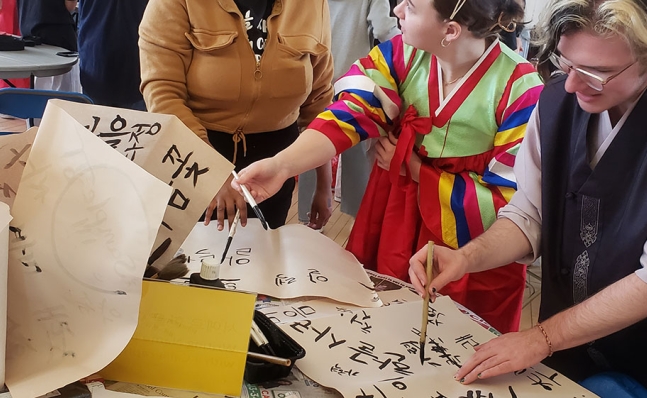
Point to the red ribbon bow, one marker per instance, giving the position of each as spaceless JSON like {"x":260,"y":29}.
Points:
{"x":410,"y":124}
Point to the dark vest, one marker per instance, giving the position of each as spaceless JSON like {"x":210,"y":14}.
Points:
{"x":594,"y":226}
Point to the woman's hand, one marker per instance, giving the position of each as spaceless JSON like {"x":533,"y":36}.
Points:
{"x":263,"y":179}
{"x":229,"y":200}
{"x":321,"y":209}
{"x":384,"y":151}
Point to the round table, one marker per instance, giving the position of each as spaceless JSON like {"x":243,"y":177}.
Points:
{"x":40,"y":61}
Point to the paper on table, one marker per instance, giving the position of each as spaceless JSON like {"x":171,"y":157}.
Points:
{"x":374,"y":352}
{"x":286,"y":312}
{"x":153,"y":391}
{"x":291,"y":261}
{"x":5,"y":217}
{"x":85,"y":219}
{"x":99,"y":391}
{"x":166,"y":148}
{"x":14,"y":151}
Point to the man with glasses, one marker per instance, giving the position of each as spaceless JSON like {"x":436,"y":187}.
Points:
{"x":582,"y":181}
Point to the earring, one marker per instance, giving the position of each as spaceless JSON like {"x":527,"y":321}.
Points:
{"x":445,"y":43}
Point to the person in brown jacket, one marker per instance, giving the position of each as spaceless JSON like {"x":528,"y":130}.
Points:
{"x":245,"y":76}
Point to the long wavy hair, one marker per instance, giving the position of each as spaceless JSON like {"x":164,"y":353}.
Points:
{"x":625,"y":18}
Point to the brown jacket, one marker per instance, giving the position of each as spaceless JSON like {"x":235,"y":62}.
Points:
{"x":197,"y":64}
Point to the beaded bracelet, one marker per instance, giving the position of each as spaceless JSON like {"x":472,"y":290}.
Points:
{"x":550,"y":345}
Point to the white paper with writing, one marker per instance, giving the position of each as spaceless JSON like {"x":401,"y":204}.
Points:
{"x":287,"y":262}
{"x":85,"y":219}
{"x":5,"y":217}
{"x":166,"y":148}
{"x":14,"y":151}
{"x":374,"y":352}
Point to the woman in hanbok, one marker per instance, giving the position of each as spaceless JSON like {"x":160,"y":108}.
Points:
{"x":449,"y":103}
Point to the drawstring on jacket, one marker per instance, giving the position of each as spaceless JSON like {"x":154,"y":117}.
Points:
{"x":237,"y":137}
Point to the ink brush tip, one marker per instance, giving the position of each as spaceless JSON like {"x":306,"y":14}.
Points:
{"x":261,"y":217}
{"x":422,"y":353}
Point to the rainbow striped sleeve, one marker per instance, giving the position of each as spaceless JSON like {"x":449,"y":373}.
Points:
{"x":519,"y":99}
{"x":367,"y":100}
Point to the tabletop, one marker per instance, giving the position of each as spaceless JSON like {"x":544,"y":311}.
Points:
{"x":40,"y":61}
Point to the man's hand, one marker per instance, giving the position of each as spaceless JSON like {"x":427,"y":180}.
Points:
{"x":504,"y":354}
{"x":449,"y":265}
{"x":227,"y":199}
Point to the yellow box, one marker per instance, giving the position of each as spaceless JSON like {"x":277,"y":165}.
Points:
{"x":189,"y":338}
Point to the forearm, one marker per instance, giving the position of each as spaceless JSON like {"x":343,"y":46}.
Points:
{"x":501,"y":244}
{"x":614,"y":308}
{"x":324,"y":177}
{"x":311,"y":150}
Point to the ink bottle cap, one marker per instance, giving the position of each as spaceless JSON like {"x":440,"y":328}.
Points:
{"x":210,"y":269}
{"x":208,"y":276}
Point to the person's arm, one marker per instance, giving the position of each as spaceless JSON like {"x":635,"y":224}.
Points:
{"x":321,"y":208}
{"x":265,"y":177}
{"x":501,"y":244}
{"x":322,"y":72}
{"x":524,"y":208}
{"x":614,"y":308}
{"x":372,"y":108}
{"x":165,"y":55}
{"x":384,"y":26}
{"x":320,"y":97}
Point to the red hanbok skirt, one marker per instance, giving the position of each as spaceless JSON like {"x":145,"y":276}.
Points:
{"x":389,"y":229}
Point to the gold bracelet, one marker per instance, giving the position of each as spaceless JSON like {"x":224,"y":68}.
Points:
{"x":550,"y":345}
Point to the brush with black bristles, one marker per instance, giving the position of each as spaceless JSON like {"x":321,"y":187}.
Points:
{"x":176,"y":268}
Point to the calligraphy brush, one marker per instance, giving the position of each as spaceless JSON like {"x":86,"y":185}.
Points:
{"x":425,"y":302}
{"x":250,"y":199}
{"x":260,"y":340}
{"x":232,"y":231}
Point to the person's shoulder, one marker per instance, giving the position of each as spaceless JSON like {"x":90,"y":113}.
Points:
{"x":555,"y":85}
{"x":510,"y":54}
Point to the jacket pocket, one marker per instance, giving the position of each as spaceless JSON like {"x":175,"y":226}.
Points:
{"x":292,"y":74}
{"x":214,"y":72}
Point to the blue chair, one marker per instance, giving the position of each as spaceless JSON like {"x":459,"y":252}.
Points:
{"x":30,"y":104}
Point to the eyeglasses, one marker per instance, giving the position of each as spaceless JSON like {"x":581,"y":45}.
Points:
{"x":592,"y":80}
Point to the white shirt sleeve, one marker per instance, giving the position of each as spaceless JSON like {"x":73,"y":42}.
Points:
{"x":642,"y":272}
{"x":524,"y":208}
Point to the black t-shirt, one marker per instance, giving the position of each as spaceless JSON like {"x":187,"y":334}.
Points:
{"x":255,"y":14}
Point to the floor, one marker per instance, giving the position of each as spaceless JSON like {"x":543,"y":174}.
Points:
{"x":338,"y":229}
